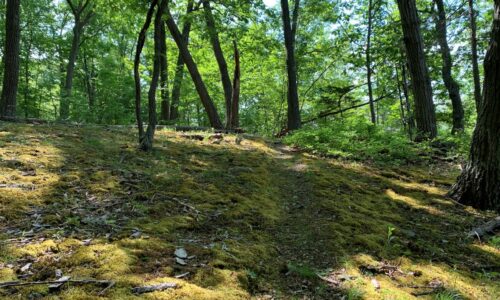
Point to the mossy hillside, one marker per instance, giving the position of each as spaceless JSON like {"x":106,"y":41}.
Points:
{"x":259,"y":219}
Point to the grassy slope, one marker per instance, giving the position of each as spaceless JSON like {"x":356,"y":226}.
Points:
{"x":260,"y":219}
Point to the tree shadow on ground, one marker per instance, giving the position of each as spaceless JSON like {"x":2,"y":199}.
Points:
{"x":256,"y":219}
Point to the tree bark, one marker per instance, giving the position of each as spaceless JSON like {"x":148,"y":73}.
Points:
{"x":289,"y":30}
{"x":235,"y":101}
{"x":137,"y":79}
{"x":146,"y":142}
{"x":165,"y":101}
{"x":450,"y":83}
{"x":219,"y":56}
{"x":213,"y":115}
{"x":475,"y":64}
{"x":11,"y":59}
{"x":89,"y":81}
{"x":81,"y":20}
{"x":369,"y":62}
{"x":478,"y":185}
{"x":425,"y":114}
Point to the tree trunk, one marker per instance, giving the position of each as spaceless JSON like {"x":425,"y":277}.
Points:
{"x":165,"y":101}
{"x":475,"y":64}
{"x":235,"y":101}
{"x":137,"y":79}
{"x":450,"y":83}
{"x":11,"y":60}
{"x":219,"y":56}
{"x":478,"y":185}
{"x":179,"y":71}
{"x":409,"y":113}
{"x":213,"y":115}
{"x":290,"y":29}
{"x":81,"y":21}
{"x":369,"y":62}
{"x":89,"y":85}
{"x":425,"y":114}
{"x":146,"y":143}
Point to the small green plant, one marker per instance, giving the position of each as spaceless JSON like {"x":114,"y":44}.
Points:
{"x":355,"y":294}
{"x":448,"y":295}
{"x":301,"y":271}
{"x":495,"y":242}
{"x":390,"y":234}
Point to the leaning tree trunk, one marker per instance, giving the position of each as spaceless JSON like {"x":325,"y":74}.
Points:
{"x":369,"y":62}
{"x":478,"y":185}
{"x":450,"y":83}
{"x":290,"y":29}
{"x":219,"y":56}
{"x":11,"y":60}
{"x":213,"y":115}
{"x":425,"y":114}
{"x":475,"y":64}
{"x":179,"y":71}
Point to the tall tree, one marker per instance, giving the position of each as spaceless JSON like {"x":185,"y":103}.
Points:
{"x":137,"y":79}
{"x":369,"y":62}
{"x":11,"y":59}
{"x":179,"y":70}
{"x":235,"y":99}
{"x":219,"y":56}
{"x":290,"y":31}
{"x":478,"y":184}
{"x":165,"y":97}
{"x":213,"y":115}
{"x":425,"y":115}
{"x":82,"y":14}
{"x":450,"y":83}
{"x":475,"y":64}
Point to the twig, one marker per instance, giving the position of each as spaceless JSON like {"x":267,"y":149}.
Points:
{"x":81,"y":281}
{"x":153,"y":288}
{"x":112,"y":284}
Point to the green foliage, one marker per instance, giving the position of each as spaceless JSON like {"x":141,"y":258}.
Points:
{"x":495,"y":242}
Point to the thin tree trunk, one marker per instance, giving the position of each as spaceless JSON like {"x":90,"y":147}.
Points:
{"x":475,"y":64}
{"x":425,"y":114}
{"x":450,"y":83}
{"x":137,"y":79}
{"x":146,"y":143}
{"x":165,"y":101}
{"x":369,"y":62}
{"x":11,"y":60}
{"x":81,"y":21}
{"x":478,"y":184}
{"x":290,"y":29}
{"x":409,"y":112}
{"x":235,"y":101}
{"x":89,"y":76}
{"x":179,"y":71}
{"x":213,"y":115}
{"x":219,"y":56}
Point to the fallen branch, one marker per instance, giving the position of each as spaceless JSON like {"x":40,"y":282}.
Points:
{"x":81,"y":281}
{"x":153,"y":288}
{"x":485,"y":228}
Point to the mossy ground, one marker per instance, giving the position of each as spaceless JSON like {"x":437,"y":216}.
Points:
{"x":261,"y":220}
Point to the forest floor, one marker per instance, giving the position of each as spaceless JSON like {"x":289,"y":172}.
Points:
{"x":257,"y":220}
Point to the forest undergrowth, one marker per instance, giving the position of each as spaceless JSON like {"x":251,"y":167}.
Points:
{"x":229,"y":217}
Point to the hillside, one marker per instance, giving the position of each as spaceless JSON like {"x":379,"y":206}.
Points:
{"x":257,"y":220}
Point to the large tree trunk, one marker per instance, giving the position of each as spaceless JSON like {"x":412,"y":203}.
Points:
{"x":369,"y":62}
{"x":137,"y":59}
{"x":11,"y":60}
{"x":235,"y":101}
{"x":165,"y":101}
{"x":290,"y":29}
{"x":425,"y":114}
{"x":219,"y":56}
{"x":451,"y":85}
{"x":81,"y":20}
{"x":213,"y":115}
{"x":179,"y":71}
{"x":479,"y":183}
{"x":475,"y":64}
